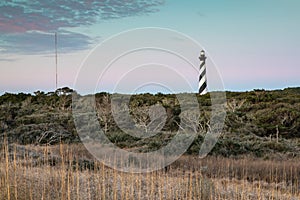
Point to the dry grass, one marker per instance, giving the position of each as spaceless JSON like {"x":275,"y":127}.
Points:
{"x":35,"y":174}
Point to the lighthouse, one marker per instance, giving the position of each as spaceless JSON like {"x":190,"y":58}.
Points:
{"x":202,"y":74}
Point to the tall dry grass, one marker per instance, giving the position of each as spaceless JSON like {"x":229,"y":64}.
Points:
{"x":69,"y":172}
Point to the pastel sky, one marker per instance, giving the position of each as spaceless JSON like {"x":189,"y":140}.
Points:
{"x":254,"y":44}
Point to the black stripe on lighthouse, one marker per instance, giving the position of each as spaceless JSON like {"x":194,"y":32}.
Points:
{"x":202,"y":76}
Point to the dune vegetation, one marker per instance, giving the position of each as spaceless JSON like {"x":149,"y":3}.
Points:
{"x":256,"y":157}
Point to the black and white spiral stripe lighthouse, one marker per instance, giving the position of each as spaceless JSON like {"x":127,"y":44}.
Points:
{"x":202,"y":74}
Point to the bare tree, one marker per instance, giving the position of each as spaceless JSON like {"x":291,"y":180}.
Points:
{"x":194,"y":121}
{"x":233,"y":104}
{"x":149,"y":118}
{"x":104,"y":112}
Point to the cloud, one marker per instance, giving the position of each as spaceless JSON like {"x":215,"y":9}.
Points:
{"x":21,"y":21}
{"x":7,"y":59}
{"x":25,"y":15}
{"x":201,"y":14}
{"x":36,"y":42}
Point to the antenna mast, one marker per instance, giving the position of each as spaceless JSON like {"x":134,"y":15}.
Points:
{"x":56,"y":76}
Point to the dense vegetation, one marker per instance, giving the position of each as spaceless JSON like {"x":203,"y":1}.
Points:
{"x":258,"y":122}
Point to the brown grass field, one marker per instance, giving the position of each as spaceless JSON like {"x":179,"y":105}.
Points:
{"x":58,"y":172}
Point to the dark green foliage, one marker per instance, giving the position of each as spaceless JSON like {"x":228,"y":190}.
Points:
{"x":121,"y":139}
{"x":13,"y":98}
{"x":257,"y":122}
{"x":28,"y":119}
